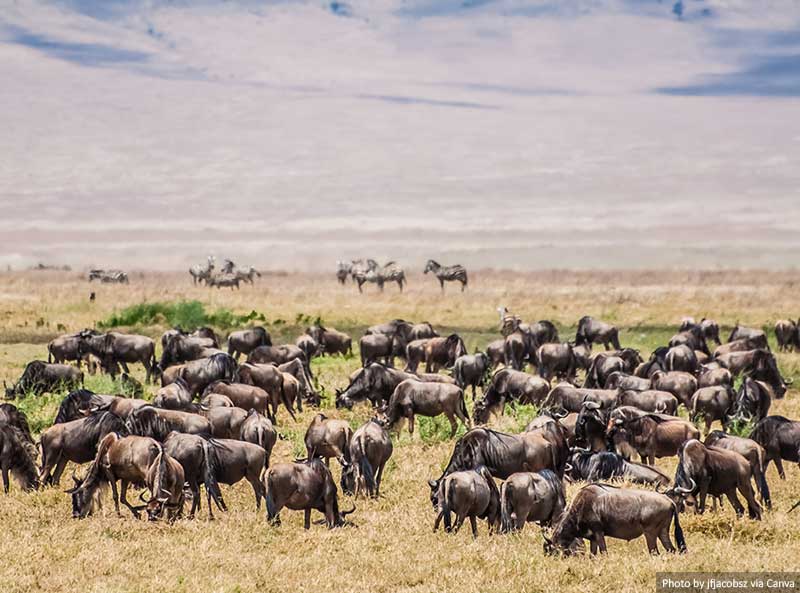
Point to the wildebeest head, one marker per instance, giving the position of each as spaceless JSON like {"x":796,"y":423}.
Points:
{"x":591,"y":422}
{"x":455,"y":348}
{"x":356,"y":391}
{"x":765,"y":369}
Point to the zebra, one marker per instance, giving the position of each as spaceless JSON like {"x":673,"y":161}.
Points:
{"x":343,"y":270}
{"x":447,"y":273}
{"x":202,"y":273}
{"x":376,"y":274}
{"x":247,"y":274}
{"x":108,"y":276}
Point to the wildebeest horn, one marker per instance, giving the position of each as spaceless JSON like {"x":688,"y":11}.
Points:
{"x":680,"y":490}
{"x":797,"y":504}
{"x":591,"y":405}
{"x":141,"y":496}
{"x":618,"y":421}
{"x":345,"y":513}
{"x":789,"y":381}
{"x":568,"y":468}
{"x":559,"y":414}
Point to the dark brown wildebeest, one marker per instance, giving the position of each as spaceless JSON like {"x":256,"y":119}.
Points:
{"x":590,"y":427}
{"x":556,"y":360}
{"x":443,"y":352}
{"x":377,"y":347}
{"x":178,"y":347}
{"x":469,"y":493}
{"x":115,"y":348}
{"x":415,"y":354}
{"x":421,"y":331}
{"x":272,"y":380}
{"x":370,"y":449}
{"x":175,"y":396}
{"x":377,"y":382}
{"x":169,"y":374}
{"x":41,"y":377}
{"x":247,"y":396}
{"x":526,"y":497}
{"x":710,"y":470}
{"x":780,"y":438}
{"x":74,"y":441}
{"x":397,"y":327}
{"x":509,"y":386}
{"x":571,"y":398}
{"x":650,"y":435}
{"x":205,"y":335}
{"x":257,"y":429}
{"x":786,"y":333}
{"x":604,"y":465}
{"x":329,"y":437}
{"x":739,"y":332}
{"x":17,"y":459}
{"x":226,"y":423}
{"x":472,"y":370}
{"x":303,"y":486}
{"x":496,"y":352}
{"x":761,"y":365}
{"x":132,"y":460}
{"x":413,"y":397}
{"x":709,"y":327}
{"x":198,"y":460}
{"x":590,"y":331}
{"x":332,"y":341}
{"x":277,"y":355}
{"x":693,"y":337}
{"x":309,"y":346}
{"x":651,"y":400}
{"x":239,"y":460}
{"x":750,"y":450}
{"x":11,"y":416}
{"x":568,"y":423}
{"x":199,"y":374}
{"x":742,"y":345}
{"x":296,"y":369}
{"x":626,"y":382}
{"x":157,"y":423}
{"x":605,"y":364}
{"x":600,"y":510}
{"x":244,"y":341}
{"x":753,"y":401}
{"x":68,"y":348}
{"x":713,"y":374}
{"x":81,"y":402}
{"x":216,"y":400}
{"x":713,"y":403}
{"x":682,"y":358}
{"x":680,"y":384}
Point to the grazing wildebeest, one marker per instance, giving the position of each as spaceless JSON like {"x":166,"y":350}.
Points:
{"x":509,"y":386}
{"x":245,"y":341}
{"x":470,"y":493}
{"x":713,"y":403}
{"x":11,"y":416}
{"x":570,"y":398}
{"x":303,"y":486}
{"x":556,"y":360}
{"x":713,"y":374}
{"x":115,"y":348}
{"x":370,"y":449}
{"x":258,"y":429}
{"x":279,"y":355}
{"x":377,"y":347}
{"x":651,"y":400}
{"x":786,"y":333}
{"x":650,"y":435}
{"x":740,"y":332}
{"x":175,"y":396}
{"x":761,"y":365}
{"x":710,"y":470}
{"x":590,"y":331}
{"x":743,"y":345}
{"x":605,"y":364}
{"x":74,"y":441}
{"x":332,"y":341}
{"x":247,"y":396}
{"x":375,"y":382}
{"x":443,"y":352}
{"x":600,"y":510}
{"x":81,"y":402}
{"x":41,"y":377}
{"x":753,"y":401}
{"x":780,"y":438}
{"x":605,"y":465}
{"x":199,"y":374}
{"x":197,"y":457}
{"x":455,"y":273}
{"x":750,"y":450}
{"x":108,"y":276}
{"x":17,"y":459}
{"x":682,"y":358}
{"x":566,"y":421}
{"x":413,"y":397}
{"x":216,"y":400}
{"x":68,"y":348}
{"x":496,"y":352}
{"x":680,"y":384}
{"x":157,"y":423}
{"x":472,"y":370}
{"x":298,"y":370}
{"x":626,"y":382}
{"x":526,"y":497}
{"x":239,"y":460}
{"x":329,"y":437}
{"x":271,"y":379}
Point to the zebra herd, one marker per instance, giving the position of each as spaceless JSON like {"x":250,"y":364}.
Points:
{"x":363,"y":271}
{"x":108,"y":276}
{"x":229,"y":275}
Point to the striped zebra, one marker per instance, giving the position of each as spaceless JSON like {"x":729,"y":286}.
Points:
{"x":447,"y":273}
{"x":200,"y":273}
{"x":376,"y":274}
{"x":108,"y":276}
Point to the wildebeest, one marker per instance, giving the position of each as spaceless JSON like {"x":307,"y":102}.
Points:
{"x":594,"y":466}
{"x":750,"y":450}
{"x":299,"y":371}
{"x":68,"y":348}
{"x":199,"y":374}
{"x":175,"y":396}
{"x":680,"y":384}
{"x":422,"y":330}
{"x":755,"y":343}
{"x":81,"y":402}
{"x":178,"y":347}
{"x":199,"y":462}
{"x":332,"y":341}
{"x":377,"y":347}
{"x":752,"y":401}
{"x":739,"y":332}
{"x":413,"y":397}
{"x":786,"y":333}
{"x":414,"y":353}
{"x":556,"y":360}
{"x":780,"y":438}
{"x":651,"y":400}
{"x":370,"y":449}
{"x":308,"y":346}
{"x":216,"y":400}
{"x":761,"y":365}
{"x":11,"y":416}
{"x":443,"y":352}
{"x":303,"y":486}
{"x":607,"y":363}
{"x":713,"y":403}
{"x":280,"y":354}
{"x":268,"y":378}
{"x":567,"y":422}
{"x":600,"y":510}
{"x":226,"y":423}
{"x":519,"y":346}
{"x":157,"y":423}
{"x":625,"y":382}
{"x":682,"y":358}
{"x":454,"y":273}
{"x":239,"y":460}
{"x":329,"y":437}
{"x":510,"y":386}
{"x":257,"y":429}
{"x":376,"y":383}
{"x":526,"y":497}
{"x":711,"y":375}
{"x":709,"y":470}
{"x":650,"y":435}
{"x":591,"y":331}
{"x":41,"y":377}
{"x":244,"y":341}
{"x":709,"y":327}
{"x":571,"y":398}
{"x":591,"y":425}
{"x":694,"y":338}
{"x":17,"y":459}
{"x":495,"y":350}
{"x":472,"y":370}
{"x":398,"y":327}
{"x":115,"y":348}
{"x":246,"y":396}
{"x":74,"y":441}
{"x":468,"y":493}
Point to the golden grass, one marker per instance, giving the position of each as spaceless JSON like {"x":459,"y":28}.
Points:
{"x":391,"y":546}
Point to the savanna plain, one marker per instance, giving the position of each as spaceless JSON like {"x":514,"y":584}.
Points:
{"x":389,"y":544}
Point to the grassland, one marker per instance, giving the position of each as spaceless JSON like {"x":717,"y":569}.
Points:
{"x":390,"y":547}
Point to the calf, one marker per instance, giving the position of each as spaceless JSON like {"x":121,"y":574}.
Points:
{"x":526,"y":497}
{"x":470,"y":493}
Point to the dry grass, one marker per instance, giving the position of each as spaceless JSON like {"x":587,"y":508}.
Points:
{"x":390,"y":547}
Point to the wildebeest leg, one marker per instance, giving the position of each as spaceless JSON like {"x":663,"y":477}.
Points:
{"x":5,"y":478}
{"x":62,"y":463}
{"x":257,"y":489}
{"x":453,"y":425}
{"x":665,"y":541}
{"x":737,"y":506}
{"x":437,"y":521}
{"x":123,"y":497}
{"x":410,"y":416}
{"x":459,"y":522}
{"x":473,"y":522}
{"x":195,"y":488}
{"x":441,"y":283}
{"x":378,"y":477}
{"x":652,"y":545}
{"x":601,"y":541}
{"x":115,"y":495}
{"x":593,"y":546}
{"x":778,"y":465}
{"x":701,"y":500}
{"x":307,"y":519}
{"x":124,"y":366}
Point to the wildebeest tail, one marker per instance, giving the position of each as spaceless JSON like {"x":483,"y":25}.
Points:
{"x":161,"y":465}
{"x":506,"y":491}
{"x":49,"y":354}
{"x":761,"y":480}
{"x":210,"y":469}
{"x":271,"y":508}
{"x":463,"y":405}
{"x":679,"y":539}
{"x":458,"y":375}
{"x":285,"y":400}
{"x":447,"y":504}
{"x":365,"y":466}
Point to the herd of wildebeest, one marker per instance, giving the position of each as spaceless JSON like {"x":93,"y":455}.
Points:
{"x":213,"y":421}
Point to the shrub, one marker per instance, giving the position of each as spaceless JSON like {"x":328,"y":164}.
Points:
{"x":188,"y":315}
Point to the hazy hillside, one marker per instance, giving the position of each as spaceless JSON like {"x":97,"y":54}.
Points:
{"x":517,"y":133}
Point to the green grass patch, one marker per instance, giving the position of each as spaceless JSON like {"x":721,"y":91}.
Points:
{"x":188,"y":315}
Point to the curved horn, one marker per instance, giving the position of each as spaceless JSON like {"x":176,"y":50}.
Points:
{"x":789,"y":381}
{"x":680,"y":490}
{"x":345,"y":513}
{"x":568,"y":468}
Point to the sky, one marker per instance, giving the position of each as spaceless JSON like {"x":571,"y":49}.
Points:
{"x":520,"y":134}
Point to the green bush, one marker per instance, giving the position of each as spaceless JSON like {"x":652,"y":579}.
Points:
{"x":188,"y":315}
